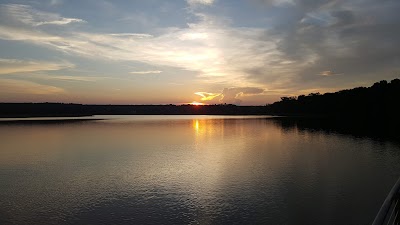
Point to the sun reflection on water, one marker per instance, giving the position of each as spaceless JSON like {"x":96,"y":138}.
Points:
{"x":196,"y":126}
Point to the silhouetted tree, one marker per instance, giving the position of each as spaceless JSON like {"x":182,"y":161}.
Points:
{"x":379,"y":100}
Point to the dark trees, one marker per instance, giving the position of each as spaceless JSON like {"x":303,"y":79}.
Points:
{"x":380,"y":100}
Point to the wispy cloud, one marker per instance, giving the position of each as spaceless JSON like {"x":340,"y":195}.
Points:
{"x":217,"y":52}
{"x":10,"y":86}
{"x":287,"y":55}
{"x":146,"y":72}
{"x":29,"y":16}
{"x":10,"y":66}
{"x":328,"y":73}
{"x":133,"y":35}
{"x":66,"y":78}
{"x":206,"y":96}
{"x":61,"y":21}
{"x":200,"y":2}
{"x":279,"y":2}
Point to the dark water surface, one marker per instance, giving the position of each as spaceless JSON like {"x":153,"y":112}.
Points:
{"x":191,"y":170}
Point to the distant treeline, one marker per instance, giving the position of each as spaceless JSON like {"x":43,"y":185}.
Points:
{"x":381,"y":100}
{"x":61,"y":109}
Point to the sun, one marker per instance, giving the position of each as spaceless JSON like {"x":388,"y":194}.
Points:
{"x":196,"y":103}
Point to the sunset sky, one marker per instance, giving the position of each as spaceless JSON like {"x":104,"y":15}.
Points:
{"x":210,"y":51}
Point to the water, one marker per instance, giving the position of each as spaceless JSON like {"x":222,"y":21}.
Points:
{"x":191,"y":170}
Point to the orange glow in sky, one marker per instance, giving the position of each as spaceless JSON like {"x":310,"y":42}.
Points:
{"x":196,"y":103}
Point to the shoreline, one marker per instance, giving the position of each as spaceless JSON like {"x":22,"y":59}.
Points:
{"x":36,"y":120}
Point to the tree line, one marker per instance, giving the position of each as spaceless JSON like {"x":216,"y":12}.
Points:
{"x":381,"y":100}
{"x":63,"y":110}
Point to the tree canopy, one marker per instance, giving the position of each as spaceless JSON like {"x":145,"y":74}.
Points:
{"x":380,"y":100}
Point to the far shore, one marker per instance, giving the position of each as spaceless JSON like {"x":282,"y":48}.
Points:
{"x":49,"y":120}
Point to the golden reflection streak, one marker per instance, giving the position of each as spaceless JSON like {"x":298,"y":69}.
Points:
{"x":196,"y":126}
{"x":205,"y":129}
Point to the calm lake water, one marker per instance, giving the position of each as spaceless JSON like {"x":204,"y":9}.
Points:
{"x":191,"y":170}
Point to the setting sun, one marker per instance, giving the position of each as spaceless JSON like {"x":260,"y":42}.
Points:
{"x":196,"y":103}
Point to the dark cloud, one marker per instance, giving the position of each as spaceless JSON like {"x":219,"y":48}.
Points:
{"x":358,"y":39}
{"x":343,"y":17}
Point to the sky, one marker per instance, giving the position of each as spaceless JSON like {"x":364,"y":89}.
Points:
{"x":244,"y":52}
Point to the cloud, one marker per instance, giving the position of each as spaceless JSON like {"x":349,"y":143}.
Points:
{"x":146,"y":72}
{"x":24,"y":14}
{"x":132,"y":35}
{"x":61,"y":21}
{"x":278,"y":2}
{"x":10,"y":66}
{"x":56,"y":2}
{"x":200,"y":2}
{"x":206,"y":96}
{"x":328,"y":73}
{"x":217,"y":52}
{"x":232,"y":95}
{"x":354,"y":37}
{"x":300,"y":42}
{"x":9,"y":86}
{"x":66,"y":78}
